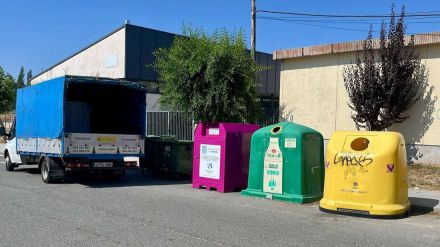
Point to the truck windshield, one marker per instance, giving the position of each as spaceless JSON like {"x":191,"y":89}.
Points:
{"x":103,"y":108}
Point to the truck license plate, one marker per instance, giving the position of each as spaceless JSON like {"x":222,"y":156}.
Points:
{"x":103,"y":164}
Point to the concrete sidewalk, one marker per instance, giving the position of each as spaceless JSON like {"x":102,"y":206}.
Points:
{"x":428,"y":200}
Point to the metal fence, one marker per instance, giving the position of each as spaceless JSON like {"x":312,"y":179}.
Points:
{"x":176,"y":124}
{"x":169,"y":123}
{"x":269,"y":120}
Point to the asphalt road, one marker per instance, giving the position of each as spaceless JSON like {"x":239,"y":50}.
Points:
{"x":143,"y":211}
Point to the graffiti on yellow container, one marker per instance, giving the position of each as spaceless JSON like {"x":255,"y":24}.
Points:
{"x":353,"y":163}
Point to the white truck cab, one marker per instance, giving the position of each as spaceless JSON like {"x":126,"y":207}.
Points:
{"x":12,"y":159}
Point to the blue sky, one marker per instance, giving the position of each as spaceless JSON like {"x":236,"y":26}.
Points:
{"x":37,"y":34}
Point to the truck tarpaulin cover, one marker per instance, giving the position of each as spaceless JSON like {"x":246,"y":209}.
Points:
{"x":40,"y":110}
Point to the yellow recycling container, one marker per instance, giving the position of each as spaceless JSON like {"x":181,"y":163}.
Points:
{"x":366,"y":174}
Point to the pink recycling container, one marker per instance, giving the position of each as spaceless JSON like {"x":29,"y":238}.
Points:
{"x":221,"y":156}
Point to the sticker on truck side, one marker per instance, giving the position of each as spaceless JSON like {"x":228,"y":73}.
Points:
{"x":108,"y":139}
{"x":79,"y":150}
{"x":80,"y":143}
{"x":39,"y":145}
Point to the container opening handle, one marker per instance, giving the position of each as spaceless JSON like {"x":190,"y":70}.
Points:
{"x":360,"y":144}
{"x":276,"y":130}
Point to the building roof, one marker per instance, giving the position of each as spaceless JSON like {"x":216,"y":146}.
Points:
{"x":92,"y":44}
{"x":106,"y":36}
{"x":419,"y":39}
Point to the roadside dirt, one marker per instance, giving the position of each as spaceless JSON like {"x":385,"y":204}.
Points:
{"x":424,"y":177}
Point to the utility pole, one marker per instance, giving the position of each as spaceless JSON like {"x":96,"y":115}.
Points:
{"x":253,"y":31}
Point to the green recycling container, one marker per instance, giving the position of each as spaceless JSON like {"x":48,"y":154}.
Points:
{"x":168,"y":156}
{"x":177,"y":157}
{"x":286,"y":163}
{"x":150,"y":156}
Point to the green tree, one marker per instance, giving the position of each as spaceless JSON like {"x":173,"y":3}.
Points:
{"x":7,"y":91}
{"x":28,"y":77}
{"x":210,"y":78}
{"x":20,"y":78}
{"x":384,"y":84}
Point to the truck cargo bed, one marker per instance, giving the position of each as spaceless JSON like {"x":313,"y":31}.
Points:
{"x":81,"y":117}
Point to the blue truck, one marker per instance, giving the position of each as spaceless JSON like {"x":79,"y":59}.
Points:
{"x":75,"y":123}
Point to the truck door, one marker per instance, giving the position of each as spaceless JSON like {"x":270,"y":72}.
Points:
{"x":11,"y":146}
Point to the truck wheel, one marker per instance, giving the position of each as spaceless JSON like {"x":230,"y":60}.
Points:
{"x":44,"y":170}
{"x":8,"y":163}
{"x":50,"y":175}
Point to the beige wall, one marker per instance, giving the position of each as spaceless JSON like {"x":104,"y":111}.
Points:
{"x":103,"y":59}
{"x":312,"y":88}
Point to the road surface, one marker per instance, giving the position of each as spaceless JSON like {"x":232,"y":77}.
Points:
{"x":144,"y":211}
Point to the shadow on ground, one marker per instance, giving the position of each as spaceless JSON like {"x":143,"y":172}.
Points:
{"x":132,"y":178}
{"x":423,"y":205}
{"x":30,"y":170}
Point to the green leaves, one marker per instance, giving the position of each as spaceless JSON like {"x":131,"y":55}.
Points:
{"x":20,"y":78}
{"x":7,"y":91}
{"x":384,"y":84}
{"x":28,"y":77}
{"x":209,"y":78}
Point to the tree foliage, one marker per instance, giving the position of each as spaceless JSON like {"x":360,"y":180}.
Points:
{"x":20,"y":78}
{"x":210,"y":78}
{"x":384,"y":84}
{"x":7,"y":91}
{"x":28,"y":77}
